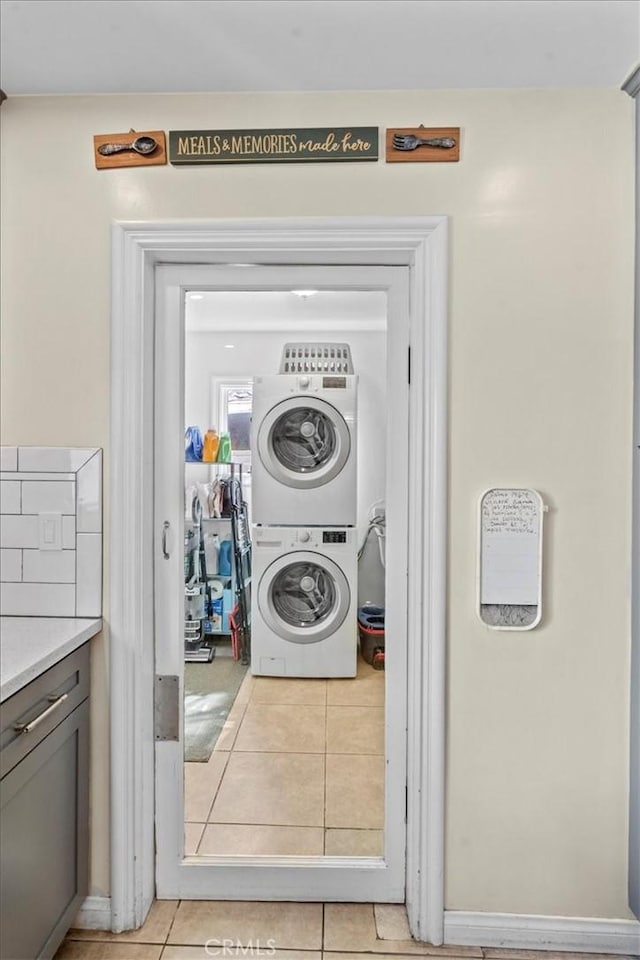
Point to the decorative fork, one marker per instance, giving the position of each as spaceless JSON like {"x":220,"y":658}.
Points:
{"x":409,"y":142}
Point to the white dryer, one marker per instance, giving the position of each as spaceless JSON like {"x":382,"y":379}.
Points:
{"x":304,"y":596}
{"x":303,"y":449}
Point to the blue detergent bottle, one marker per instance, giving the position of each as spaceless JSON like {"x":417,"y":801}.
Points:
{"x":224,"y":559}
{"x":193,"y":444}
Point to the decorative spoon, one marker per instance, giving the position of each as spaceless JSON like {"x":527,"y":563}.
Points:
{"x":141,"y":145}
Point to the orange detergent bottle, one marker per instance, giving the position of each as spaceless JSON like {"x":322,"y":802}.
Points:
{"x":210,"y":446}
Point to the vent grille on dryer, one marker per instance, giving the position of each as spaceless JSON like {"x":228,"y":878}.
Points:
{"x":316,"y":358}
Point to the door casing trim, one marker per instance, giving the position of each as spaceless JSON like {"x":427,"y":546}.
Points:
{"x":417,"y":242}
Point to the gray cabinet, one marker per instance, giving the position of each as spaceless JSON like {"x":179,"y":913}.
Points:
{"x":44,"y":789}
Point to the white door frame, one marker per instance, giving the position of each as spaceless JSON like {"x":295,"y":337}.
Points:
{"x":419,"y":243}
{"x":632,"y":87}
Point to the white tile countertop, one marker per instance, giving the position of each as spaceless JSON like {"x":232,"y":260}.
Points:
{"x":30,"y":645}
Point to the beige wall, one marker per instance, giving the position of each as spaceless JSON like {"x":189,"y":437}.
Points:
{"x":540,"y":395}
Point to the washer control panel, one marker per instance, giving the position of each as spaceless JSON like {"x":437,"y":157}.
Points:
{"x":334,"y":536}
{"x":313,"y":538}
{"x":302,"y":538}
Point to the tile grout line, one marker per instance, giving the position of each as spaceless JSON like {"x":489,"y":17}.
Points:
{"x":299,"y":753}
{"x":204,"y":827}
{"x":245,"y":823}
{"x":173,"y":920}
{"x":322,"y":929}
{"x":224,"y":771}
{"x":243,"y":707}
{"x":216,"y":791}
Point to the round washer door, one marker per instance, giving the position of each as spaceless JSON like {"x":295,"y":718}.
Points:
{"x":304,"y":597}
{"x":304,"y":442}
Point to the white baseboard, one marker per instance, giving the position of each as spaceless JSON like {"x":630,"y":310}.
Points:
{"x":461,"y":928}
{"x":525,"y":932}
{"x":94,"y":914}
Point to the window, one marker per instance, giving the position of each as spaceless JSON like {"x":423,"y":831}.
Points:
{"x":232,"y":401}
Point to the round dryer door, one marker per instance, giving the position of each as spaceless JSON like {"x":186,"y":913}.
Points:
{"x":304,"y":597}
{"x":304,"y":442}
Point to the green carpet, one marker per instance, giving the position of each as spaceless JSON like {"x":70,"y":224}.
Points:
{"x":209,"y":692}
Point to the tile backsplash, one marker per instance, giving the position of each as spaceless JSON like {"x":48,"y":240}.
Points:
{"x":50,"y":532}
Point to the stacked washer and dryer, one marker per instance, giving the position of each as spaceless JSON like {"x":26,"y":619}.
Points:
{"x":304,"y":504}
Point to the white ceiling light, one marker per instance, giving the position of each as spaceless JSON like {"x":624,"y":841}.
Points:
{"x":304,"y":293}
{"x":196,"y":296}
{"x":229,"y":346}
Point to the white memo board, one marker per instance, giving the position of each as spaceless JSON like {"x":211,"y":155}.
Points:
{"x":510,"y":558}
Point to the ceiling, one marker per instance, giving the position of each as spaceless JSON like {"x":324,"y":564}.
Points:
{"x":300,"y":313}
{"x":159,"y":46}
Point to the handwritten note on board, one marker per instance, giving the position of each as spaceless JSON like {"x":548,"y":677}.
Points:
{"x":510,"y":546}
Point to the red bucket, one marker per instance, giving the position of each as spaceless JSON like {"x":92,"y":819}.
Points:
{"x":371,"y":634}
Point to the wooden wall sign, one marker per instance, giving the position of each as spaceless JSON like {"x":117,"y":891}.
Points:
{"x":131,"y":149}
{"x":423,"y":144}
{"x":297,"y":145}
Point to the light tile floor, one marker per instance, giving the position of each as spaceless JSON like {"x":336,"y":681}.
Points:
{"x":297,"y":770}
{"x":197,"y":929}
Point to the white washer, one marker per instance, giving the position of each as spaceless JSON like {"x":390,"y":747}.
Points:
{"x":303,"y":449}
{"x":304,"y":613}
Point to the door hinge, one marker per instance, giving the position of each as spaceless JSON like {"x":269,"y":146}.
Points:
{"x":166,"y":708}
{"x":408,"y":364}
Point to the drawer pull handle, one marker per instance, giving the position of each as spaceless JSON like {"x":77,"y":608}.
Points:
{"x":55,"y":702}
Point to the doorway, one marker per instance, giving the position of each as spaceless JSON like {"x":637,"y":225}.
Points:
{"x":284,"y":741}
{"x":304,"y":782}
{"x":420,"y":246}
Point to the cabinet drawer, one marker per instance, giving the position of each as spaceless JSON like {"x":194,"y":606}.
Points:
{"x":44,"y":839}
{"x":43,"y":703}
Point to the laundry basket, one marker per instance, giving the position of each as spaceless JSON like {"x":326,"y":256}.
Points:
{"x":371,"y":634}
